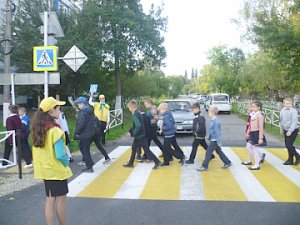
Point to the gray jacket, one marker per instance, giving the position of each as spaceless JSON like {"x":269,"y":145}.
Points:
{"x":288,"y":119}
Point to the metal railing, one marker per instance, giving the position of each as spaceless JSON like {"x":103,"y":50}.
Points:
{"x":272,"y":116}
{"x":14,"y":149}
{"x":116,"y":118}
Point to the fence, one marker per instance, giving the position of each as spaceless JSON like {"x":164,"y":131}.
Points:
{"x":272,"y":116}
{"x":116,"y":118}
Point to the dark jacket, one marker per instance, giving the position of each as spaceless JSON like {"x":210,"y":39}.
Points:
{"x":199,"y":127}
{"x":147,"y":125}
{"x":86,"y":124}
{"x":168,"y":125}
{"x":138,"y":127}
{"x":13,"y":122}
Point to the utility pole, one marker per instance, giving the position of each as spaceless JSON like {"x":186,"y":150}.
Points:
{"x":7,"y":48}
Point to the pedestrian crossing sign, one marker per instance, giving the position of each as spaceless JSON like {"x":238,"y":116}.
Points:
{"x":45,"y":58}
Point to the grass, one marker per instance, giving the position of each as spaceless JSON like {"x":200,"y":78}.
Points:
{"x":270,"y":129}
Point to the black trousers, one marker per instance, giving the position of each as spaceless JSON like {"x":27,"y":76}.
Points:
{"x":96,"y":139}
{"x":102,"y":133}
{"x":84,"y":146}
{"x":168,"y":152}
{"x":289,"y":144}
{"x":26,"y":151}
{"x":7,"y":150}
{"x":195,"y":145}
{"x":144,"y":144}
{"x":152,"y":137}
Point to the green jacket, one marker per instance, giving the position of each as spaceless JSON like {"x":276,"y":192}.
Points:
{"x":138,"y":128}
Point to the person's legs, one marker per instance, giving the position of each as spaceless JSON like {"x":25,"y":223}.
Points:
{"x":61,"y":202}
{"x":166,"y":150}
{"x":148,"y":152}
{"x":209,"y":151}
{"x":289,"y":142}
{"x":25,"y":151}
{"x":103,"y":132}
{"x":84,"y":145}
{"x":96,"y":140}
{"x":134,"y":147}
{"x":49,"y":210}
{"x":157,"y":142}
{"x":7,"y":150}
{"x":194,"y":149}
{"x":223,"y":157}
{"x":68,"y":152}
{"x":255,"y":150}
{"x":178,"y":153}
{"x":250,"y":152}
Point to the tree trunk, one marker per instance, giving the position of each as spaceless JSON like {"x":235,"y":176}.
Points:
{"x":118,"y":104}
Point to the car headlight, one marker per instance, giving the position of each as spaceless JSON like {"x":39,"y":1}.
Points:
{"x":187,"y":122}
{"x":159,"y":122}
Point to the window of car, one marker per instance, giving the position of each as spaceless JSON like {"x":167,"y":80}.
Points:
{"x":221,"y":98}
{"x":180,"y":105}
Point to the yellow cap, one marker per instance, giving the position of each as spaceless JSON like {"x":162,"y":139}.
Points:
{"x":49,"y":103}
{"x":101,"y":96}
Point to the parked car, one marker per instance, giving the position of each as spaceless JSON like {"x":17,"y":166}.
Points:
{"x":183,"y":116}
{"x":202,"y":99}
{"x":219,"y":100}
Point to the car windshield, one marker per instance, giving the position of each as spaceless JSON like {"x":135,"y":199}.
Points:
{"x":221,"y":98}
{"x":180,"y":105}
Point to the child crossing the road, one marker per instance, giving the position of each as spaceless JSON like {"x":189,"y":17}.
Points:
{"x":215,"y":138}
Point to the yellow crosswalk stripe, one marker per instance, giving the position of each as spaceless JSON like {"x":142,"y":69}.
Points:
{"x":164,"y":183}
{"x":219,"y":184}
{"x":278,"y":185}
{"x":109,"y":182}
{"x":282,"y":154}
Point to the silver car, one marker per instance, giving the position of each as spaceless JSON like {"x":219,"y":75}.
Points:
{"x":183,"y":116}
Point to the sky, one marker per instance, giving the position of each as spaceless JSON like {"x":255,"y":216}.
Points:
{"x":194,"y":27}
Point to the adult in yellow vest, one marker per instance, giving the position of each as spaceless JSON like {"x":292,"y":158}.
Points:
{"x":101,"y":110}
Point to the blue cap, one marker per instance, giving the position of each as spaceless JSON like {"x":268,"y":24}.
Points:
{"x":81,"y":99}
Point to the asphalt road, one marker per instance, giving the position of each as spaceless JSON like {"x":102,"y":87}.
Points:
{"x":27,"y":207}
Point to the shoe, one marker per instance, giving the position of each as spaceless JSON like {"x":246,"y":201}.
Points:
{"x":81,"y":163}
{"x":71,"y":160}
{"x":86,"y":170}
{"x":297,"y":162}
{"x":225,"y":166}
{"x":263,"y":156}
{"x":201,"y":169}
{"x":189,"y":162}
{"x":156,"y":165}
{"x":107,"y":161}
{"x":212,"y":157}
{"x":164,"y":164}
{"x":254,"y":168}
{"x":288,"y":163}
{"x":246,"y":163}
{"x":183,"y":160}
{"x":128,"y":165}
{"x":28,"y":166}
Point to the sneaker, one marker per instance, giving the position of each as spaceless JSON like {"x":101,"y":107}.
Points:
{"x":86,"y":170}
{"x":81,"y":163}
{"x":189,"y":162}
{"x":28,"y":166}
{"x":225,"y":166}
{"x":128,"y":165}
{"x":263,"y":156}
{"x":202,"y":169}
{"x":156,"y":165}
{"x":246,"y":163}
{"x":107,"y":161}
{"x":254,"y":168}
{"x":288,"y":163}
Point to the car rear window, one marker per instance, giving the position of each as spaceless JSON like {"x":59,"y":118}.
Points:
{"x":221,"y":98}
{"x":180,"y":105}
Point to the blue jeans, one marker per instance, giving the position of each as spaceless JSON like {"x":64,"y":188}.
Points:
{"x":211,"y":148}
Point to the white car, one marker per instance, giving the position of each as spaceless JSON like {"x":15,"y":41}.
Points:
{"x":219,"y":100}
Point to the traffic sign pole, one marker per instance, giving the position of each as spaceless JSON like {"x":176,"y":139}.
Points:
{"x":45,"y":44}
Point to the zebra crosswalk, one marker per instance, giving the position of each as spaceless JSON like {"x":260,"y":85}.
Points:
{"x":273,"y":183}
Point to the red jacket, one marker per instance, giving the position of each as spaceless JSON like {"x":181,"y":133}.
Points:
{"x":13,"y":122}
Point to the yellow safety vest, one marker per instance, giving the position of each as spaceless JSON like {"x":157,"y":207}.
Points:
{"x":46,"y":166}
{"x":101,"y":114}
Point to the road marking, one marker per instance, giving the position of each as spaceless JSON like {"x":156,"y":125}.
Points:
{"x":251,"y":187}
{"x":288,"y":171}
{"x":109,"y":181}
{"x":83,"y":180}
{"x":219,"y":184}
{"x":164,"y":183}
{"x":191,"y":187}
{"x":283,"y":155}
{"x":134,"y":185}
{"x":277,"y":184}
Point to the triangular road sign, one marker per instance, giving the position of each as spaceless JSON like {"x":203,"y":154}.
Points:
{"x":45,"y":59}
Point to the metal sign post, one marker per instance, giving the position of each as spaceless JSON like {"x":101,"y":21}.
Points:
{"x":46,"y":91}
